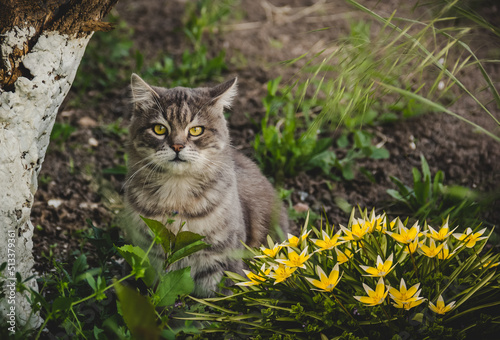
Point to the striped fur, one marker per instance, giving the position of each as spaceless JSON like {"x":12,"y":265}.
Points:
{"x":215,"y":190}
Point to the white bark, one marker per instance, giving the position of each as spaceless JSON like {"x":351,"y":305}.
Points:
{"x":27,"y":116}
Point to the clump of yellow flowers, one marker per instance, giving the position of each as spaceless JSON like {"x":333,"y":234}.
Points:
{"x":375,"y":261}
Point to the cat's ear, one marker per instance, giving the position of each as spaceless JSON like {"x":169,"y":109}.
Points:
{"x":143,"y":95}
{"x":224,"y":93}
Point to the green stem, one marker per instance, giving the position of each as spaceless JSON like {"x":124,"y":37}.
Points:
{"x":42,"y":327}
{"x":387,"y":315}
{"x":105,"y":289}
{"x":413,"y":261}
{"x":345,"y":310}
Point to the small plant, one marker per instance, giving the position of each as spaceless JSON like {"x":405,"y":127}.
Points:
{"x":61,"y":133}
{"x":80,"y":302}
{"x":283,"y":150}
{"x":115,"y":128}
{"x":430,"y":198}
{"x":374,"y":278}
{"x":195,"y":66}
{"x":280,"y":150}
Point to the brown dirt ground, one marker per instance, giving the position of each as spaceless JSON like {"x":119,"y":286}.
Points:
{"x":75,"y":189}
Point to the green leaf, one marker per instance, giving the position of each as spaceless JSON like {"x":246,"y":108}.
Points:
{"x":438,"y":182}
{"x":475,"y":288}
{"x":347,"y":172}
{"x":343,"y":142}
{"x":137,"y":259}
{"x":379,"y":153}
{"x":361,"y":139}
{"x":161,"y":232}
{"x":138,"y":313}
{"x":395,"y":194}
{"x":61,"y":303}
{"x":188,"y":250}
{"x":426,"y":172}
{"x":91,"y":281}
{"x":417,"y":177}
{"x":403,"y":189}
{"x":185,"y":238}
{"x":173,"y":284}
{"x":79,"y":267}
{"x":97,"y":331}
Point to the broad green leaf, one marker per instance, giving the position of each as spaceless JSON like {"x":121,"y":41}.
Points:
{"x":188,"y":250}
{"x":161,"y":232}
{"x":379,"y":153}
{"x":395,"y":194}
{"x":61,"y":303}
{"x":97,"y":331}
{"x":79,"y":266}
{"x":138,"y":313}
{"x":137,"y":259}
{"x":185,"y":238}
{"x":416,"y":176}
{"x":343,"y":142}
{"x":173,"y":284}
{"x":347,"y":171}
{"x":91,"y":281}
{"x":361,"y":139}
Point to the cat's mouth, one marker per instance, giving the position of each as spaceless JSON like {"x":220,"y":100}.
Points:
{"x":177,"y":159}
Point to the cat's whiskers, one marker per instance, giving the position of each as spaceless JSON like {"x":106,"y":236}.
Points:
{"x":197,"y":157}
{"x":216,"y":166}
{"x":159,"y":158}
{"x":131,"y":177}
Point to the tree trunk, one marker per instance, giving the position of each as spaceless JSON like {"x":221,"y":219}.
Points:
{"x":41,"y":45}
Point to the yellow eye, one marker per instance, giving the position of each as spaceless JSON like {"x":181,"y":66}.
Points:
{"x":159,"y":129}
{"x":196,"y":131}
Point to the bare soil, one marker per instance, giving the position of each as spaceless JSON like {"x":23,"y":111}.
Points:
{"x":74,"y":183}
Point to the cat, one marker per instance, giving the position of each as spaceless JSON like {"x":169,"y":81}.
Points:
{"x":182,"y":166}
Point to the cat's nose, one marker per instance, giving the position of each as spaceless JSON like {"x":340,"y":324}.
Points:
{"x":177,"y":147}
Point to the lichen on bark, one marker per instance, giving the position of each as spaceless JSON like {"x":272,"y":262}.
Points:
{"x":41,"y":45}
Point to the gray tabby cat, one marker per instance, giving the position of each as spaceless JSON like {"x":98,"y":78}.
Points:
{"x":182,"y":167}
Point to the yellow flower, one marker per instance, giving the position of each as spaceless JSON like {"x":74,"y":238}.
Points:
{"x":294,"y":259}
{"x":445,"y":254}
{"x":281,"y":273}
{"x":442,"y":234}
{"x":405,"y":235}
{"x":382,"y":268}
{"x":270,"y":252}
{"x":440,"y":307}
{"x":358,"y":230}
{"x":294,"y":241}
{"x":254,"y":278}
{"x":406,"y":298}
{"x":375,"y":297}
{"x":432,"y":250}
{"x":327,"y":242}
{"x":343,"y":257}
{"x":383,"y":227}
{"x":374,"y":222}
{"x":470,"y":238}
{"x":411,"y":247}
{"x":326,"y":283}
{"x":408,"y":305}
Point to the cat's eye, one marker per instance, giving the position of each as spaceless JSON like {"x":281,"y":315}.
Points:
{"x":159,"y":129}
{"x":196,"y":131}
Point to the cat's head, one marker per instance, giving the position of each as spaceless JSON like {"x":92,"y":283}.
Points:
{"x":179,"y":130}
